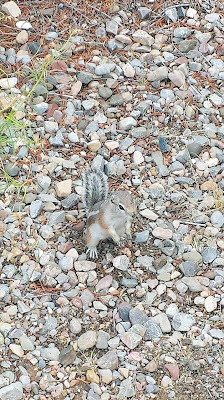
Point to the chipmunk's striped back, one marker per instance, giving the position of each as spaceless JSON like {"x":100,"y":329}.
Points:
{"x":95,"y":187}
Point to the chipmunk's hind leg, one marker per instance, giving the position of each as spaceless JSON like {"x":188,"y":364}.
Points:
{"x":92,"y":245}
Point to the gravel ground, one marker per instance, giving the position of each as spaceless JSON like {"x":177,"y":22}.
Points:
{"x":135,"y":89}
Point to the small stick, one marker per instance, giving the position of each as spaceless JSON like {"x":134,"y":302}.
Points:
{"x":191,"y":223}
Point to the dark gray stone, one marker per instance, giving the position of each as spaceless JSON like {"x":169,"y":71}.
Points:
{"x":194,"y":149}
{"x":11,"y":169}
{"x":124,"y":309}
{"x":70,"y":201}
{"x":84,"y":77}
{"x":67,"y":356}
{"x":189,"y":268}
{"x":116,"y":100}
{"x":105,"y":92}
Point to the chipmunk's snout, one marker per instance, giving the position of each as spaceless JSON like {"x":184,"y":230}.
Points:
{"x":131,"y":210}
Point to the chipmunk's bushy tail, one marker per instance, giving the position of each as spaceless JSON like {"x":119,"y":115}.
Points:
{"x":95,"y":187}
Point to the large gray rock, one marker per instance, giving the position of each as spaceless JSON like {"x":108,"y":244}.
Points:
{"x":183,"y":322}
{"x":12,"y":392}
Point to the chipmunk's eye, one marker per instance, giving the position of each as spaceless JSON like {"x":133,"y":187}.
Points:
{"x":121,"y":207}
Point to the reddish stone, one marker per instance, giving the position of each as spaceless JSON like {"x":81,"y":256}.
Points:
{"x":173,"y":370}
{"x":104,"y":283}
{"x":135,"y":356}
{"x":52,"y":108}
{"x":64,"y":247}
{"x":59,"y":66}
{"x":209,"y":274}
{"x":181,"y":60}
{"x":220,"y":50}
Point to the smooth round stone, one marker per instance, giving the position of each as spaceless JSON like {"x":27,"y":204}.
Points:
{"x":210,"y":304}
{"x":75,"y":326}
{"x":217,"y":219}
{"x":11,"y":169}
{"x":87,"y":340}
{"x":105,"y":92}
{"x":24,"y":25}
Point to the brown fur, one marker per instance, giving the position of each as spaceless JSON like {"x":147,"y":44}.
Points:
{"x":102,"y":222}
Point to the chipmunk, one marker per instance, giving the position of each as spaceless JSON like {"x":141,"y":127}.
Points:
{"x":108,"y":215}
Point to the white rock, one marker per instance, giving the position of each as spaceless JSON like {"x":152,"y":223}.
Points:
{"x":210,"y":304}
{"x":75,"y":326}
{"x":106,"y":376}
{"x":177,"y":77}
{"x":126,"y":124}
{"x":87,"y":340}
{"x":12,"y":392}
{"x":166,"y":381}
{"x":16,"y":349}
{"x":64,"y":188}
{"x":72,"y":253}
{"x":111,"y":144}
{"x":146,"y":213}
{"x":138,"y":157}
{"x":100,"y":118}
{"x":191,"y":13}
{"x":24,"y":25}
{"x":215,"y":99}
{"x":128,"y":70}
{"x":143,"y":37}
{"x":123,"y":39}
{"x":163,"y":321}
{"x":158,"y":74}
{"x":94,"y":145}
{"x":8,"y":83}
{"x":51,"y":126}
{"x":212,"y":17}
{"x":11,"y":8}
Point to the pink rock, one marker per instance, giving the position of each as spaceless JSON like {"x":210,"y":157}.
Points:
{"x":76,"y":88}
{"x":181,"y":60}
{"x":52,"y":108}
{"x":173,"y":370}
{"x":59,"y":66}
{"x":161,"y":118}
{"x":57,"y":115}
{"x":64,"y":247}
{"x":77,"y":302}
{"x":203,"y":48}
{"x":135,"y":356}
{"x":177,"y":77}
{"x":104,"y":283}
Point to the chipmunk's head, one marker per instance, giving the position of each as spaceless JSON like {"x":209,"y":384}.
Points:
{"x":123,"y":202}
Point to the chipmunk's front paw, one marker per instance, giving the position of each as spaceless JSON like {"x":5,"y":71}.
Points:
{"x":92,"y":251}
